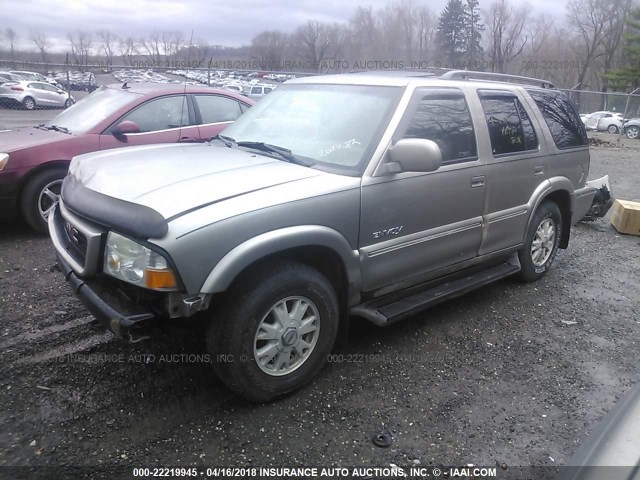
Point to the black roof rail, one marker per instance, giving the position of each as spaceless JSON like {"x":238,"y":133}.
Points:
{"x":496,"y":77}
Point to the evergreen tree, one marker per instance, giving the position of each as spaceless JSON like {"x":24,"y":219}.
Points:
{"x":473,"y":35}
{"x":628,"y":77}
{"x":451,"y":35}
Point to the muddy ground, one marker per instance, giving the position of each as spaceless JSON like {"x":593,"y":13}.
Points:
{"x":513,"y":374}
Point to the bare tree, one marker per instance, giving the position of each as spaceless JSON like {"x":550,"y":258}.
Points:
{"x":268,"y":48}
{"x":108,"y":43}
{"x":128,"y":49}
{"x":152,"y":46}
{"x":587,"y":18}
{"x":42,"y":43}
{"x":505,"y":31}
{"x":80,"y":43}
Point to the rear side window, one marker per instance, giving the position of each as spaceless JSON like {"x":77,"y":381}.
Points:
{"x":561,"y":117}
{"x":217,"y":109}
{"x":510,"y":128}
{"x":446,"y":120}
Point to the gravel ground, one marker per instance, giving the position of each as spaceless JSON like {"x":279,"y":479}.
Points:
{"x":512,"y":375}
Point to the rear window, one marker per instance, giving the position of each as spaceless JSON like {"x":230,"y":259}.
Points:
{"x":561,"y":117}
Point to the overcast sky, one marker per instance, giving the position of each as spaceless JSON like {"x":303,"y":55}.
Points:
{"x":228,"y":22}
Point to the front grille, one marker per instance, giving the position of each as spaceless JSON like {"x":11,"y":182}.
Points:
{"x":77,"y":242}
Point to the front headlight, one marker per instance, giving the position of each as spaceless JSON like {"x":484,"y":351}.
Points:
{"x":4,"y":157}
{"x":136,"y":264}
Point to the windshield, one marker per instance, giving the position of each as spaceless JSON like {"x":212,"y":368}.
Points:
{"x":92,"y":109}
{"x":335,"y":126}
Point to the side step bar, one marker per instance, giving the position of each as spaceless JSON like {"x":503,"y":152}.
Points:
{"x":383,"y":313}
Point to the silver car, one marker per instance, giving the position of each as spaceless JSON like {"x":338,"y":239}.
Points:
{"x":32,"y":94}
{"x":364,"y":195}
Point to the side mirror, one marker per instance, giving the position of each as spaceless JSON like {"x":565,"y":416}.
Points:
{"x":125,"y":127}
{"x":413,"y":155}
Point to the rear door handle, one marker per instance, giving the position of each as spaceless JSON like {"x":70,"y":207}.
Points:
{"x":539,"y":170}
{"x":477,"y":181}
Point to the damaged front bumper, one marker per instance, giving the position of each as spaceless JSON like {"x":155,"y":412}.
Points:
{"x":121,"y":316}
{"x":602,"y":200}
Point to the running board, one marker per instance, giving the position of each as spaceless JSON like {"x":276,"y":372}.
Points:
{"x":383,"y":313}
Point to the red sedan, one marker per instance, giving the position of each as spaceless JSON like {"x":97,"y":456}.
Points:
{"x":33,"y":160}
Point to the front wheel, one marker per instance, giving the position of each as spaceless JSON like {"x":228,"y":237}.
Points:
{"x":275,"y":331}
{"x":633,"y":132}
{"x":68,"y":103}
{"x":40,"y":195}
{"x":541,"y":243}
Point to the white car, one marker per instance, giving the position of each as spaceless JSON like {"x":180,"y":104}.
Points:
{"x":611,"y":123}
{"x":31,"y":94}
{"x":592,"y":120}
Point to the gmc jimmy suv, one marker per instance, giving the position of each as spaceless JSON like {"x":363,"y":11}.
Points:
{"x":374,"y":195}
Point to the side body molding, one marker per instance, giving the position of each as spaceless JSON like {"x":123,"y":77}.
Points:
{"x":279,"y":240}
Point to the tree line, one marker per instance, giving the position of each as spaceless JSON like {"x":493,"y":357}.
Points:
{"x":596,"y":45}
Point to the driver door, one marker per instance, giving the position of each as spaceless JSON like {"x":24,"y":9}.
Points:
{"x":160,"y":120}
{"x":414,"y":225}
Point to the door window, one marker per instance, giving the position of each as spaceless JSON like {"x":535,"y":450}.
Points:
{"x":160,"y":114}
{"x":510,"y":128}
{"x":561,"y":117}
{"x":445,"y":119}
{"x":217,"y":109}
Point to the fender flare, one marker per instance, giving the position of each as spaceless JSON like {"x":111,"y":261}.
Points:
{"x":261,"y":246}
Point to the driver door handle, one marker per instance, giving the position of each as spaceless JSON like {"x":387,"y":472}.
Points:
{"x":188,"y":139}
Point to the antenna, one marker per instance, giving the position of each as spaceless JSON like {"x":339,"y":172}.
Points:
{"x":184,"y":92}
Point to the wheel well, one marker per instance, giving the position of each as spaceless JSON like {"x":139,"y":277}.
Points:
{"x":323,"y":259}
{"x":36,"y":171}
{"x":563,"y":200}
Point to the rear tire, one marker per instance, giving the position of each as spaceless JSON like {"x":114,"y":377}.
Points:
{"x":612,"y":129}
{"x":39,"y":195}
{"x":541,"y":242}
{"x":29,"y":103}
{"x":274,"y":332}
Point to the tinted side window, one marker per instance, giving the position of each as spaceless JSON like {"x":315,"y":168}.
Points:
{"x":161,"y":114}
{"x":510,"y":129}
{"x":567,"y":129}
{"x":216,"y":109}
{"x":445,"y":120}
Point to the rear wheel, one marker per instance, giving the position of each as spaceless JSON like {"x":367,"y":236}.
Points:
{"x":541,"y":243}
{"x":40,"y":195}
{"x":275,"y":331}
{"x":29,"y":103}
{"x":612,"y":129}
{"x":633,"y":132}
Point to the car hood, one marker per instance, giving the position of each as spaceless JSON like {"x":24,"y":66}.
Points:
{"x":175,"y":179}
{"x":26,"y":137}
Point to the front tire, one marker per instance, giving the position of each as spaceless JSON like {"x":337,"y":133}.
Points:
{"x":275,"y":331}
{"x":633,"y":132}
{"x":39,"y":196}
{"x":541,"y":242}
{"x":68,"y":103}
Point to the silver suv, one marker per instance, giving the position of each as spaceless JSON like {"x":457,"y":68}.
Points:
{"x":361,"y":194}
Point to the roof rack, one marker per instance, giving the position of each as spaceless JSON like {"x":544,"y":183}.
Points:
{"x":496,"y":77}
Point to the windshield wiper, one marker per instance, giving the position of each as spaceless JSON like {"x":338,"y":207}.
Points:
{"x":282,"y":152}
{"x":228,"y":141}
{"x":56,"y":128}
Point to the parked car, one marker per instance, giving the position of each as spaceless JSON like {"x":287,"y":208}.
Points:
{"x":30,"y":95}
{"x":632,"y":128}
{"x":38,"y":77}
{"x":256,"y":92}
{"x":305,"y":212}
{"x":592,"y":119}
{"x":36,"y":158}
{"x":611,"y":123}
{"x":9,"y":77}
